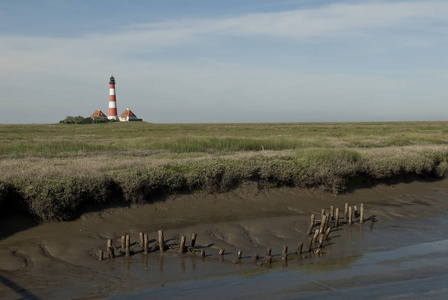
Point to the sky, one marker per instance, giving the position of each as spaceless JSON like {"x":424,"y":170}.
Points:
{"x":214,"y":61}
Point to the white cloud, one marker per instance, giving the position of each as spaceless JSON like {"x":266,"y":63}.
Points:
{"x":326,"y":21}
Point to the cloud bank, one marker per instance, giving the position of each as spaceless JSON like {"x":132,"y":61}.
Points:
{"x":341,"y":62}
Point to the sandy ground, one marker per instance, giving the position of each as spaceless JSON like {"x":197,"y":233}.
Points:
{"x":59,"y":259}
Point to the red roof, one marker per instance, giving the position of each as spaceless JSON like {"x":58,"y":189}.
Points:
{"x":98,"y":114}
{"x":127,"y":113}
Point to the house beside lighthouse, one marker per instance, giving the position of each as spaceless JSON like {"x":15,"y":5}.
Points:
{"x":98,"y":114}
{"x":128,"y":115}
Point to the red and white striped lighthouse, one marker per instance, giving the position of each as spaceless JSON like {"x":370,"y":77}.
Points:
{"x":112,"y":100}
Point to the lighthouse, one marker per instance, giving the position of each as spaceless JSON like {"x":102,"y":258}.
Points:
{"x":112,"y":100}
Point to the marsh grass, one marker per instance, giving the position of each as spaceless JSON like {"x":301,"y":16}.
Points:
{"x":54,"y":171}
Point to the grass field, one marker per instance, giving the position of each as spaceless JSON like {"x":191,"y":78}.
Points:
{"x":53,"y":170}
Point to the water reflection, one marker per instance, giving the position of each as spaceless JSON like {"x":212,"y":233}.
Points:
{"x":160,"y":264}
{"x":182,"y":264}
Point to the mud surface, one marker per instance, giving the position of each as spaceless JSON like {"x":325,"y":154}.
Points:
{"x":403,"y":254}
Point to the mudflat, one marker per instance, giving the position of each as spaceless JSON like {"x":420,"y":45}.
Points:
{"x":403,"y":253}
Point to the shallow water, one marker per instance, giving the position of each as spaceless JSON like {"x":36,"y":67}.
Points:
{"x":391,"y":268}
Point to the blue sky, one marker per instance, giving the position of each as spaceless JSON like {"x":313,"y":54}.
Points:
{"x":225,"y":61}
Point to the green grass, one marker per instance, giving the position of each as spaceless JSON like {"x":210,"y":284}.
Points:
{"x":54,"y":171}
{"x":64,"y":140}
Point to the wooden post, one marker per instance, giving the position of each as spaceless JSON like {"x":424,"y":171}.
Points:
{"x":322,"y":214}
{"x":285,"y":253}
{"x":161,"y":241}
{"x":316,"y":234}
{"x":202,"y":253}
{"x":355,"y":211}
{"x":255,"y":257}
{"x":361,"y":217}
{"x":310,"y":242}
{"x":239,"y":255}
{"x":128,"y":245}
{"x":336,"y":218}
{"x":123,"y":243}
{"x":100,"y":255}
{"x":299,"y":248}
{"x":331,"y":212}
{"x":145,"y":244}
{"x":268,"y":251}
{"x":110,"y":249}
{"x":268,"y":259}
{"x":327,"y":233}
{"x":345,"y":212}
{"x":311,"y":224}
{"x":372,"y":219}
{"x":327,"y":221}
{"x":321,"y":240}
{"x":350,"y":215}
{"x":322,"y":223}
{"x":140,"y":235}
{"x":182,"y":244}
{"x":221,"y":252}
{"x":193,"y":239}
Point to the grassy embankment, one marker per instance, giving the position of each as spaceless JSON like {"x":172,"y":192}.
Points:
{"x":53,"y":171}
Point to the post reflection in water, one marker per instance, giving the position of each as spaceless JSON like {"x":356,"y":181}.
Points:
{"x":145,"y":261}
{"x":127,"y":266}
{"x":160,"y":264}
{"x":193,"y":263}
{"x":182,"y":264}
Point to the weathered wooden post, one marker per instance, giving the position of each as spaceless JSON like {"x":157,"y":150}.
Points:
{"x":110,"y":249}
{"x":268,"y":251}
{"x":193,"y":239}
{"x":327,"y":233}
{"x":327,"y":221}
{"x":316,"y":234}
{"x":322,"y":223}
{"x":255,"y":257}
{"x":128,"y":245}
{"x":161,"y":241}
{"x":322,"y":214}
{"x":345,"y":212}
{"x":221,"y":252}
{"x":331,"y":212}
{"x":145,"y":244}
{"x":299,"y":248}
{"x":123,"y":243}
{"x":239,"y":255}
{"x":202,"y":253}
{"x":336,"y":217}
{"x":100,"y":255}
{"x":310,"y":242}
{"x":140,"y":235}
{"x":311,"y":224}
{"x":182,"y":244}
{"x":355,"y":211}
{"x":350,"y":215}
{"x":268,"y":259}
{"x":285,"y":253}
{"x":361,"y":217}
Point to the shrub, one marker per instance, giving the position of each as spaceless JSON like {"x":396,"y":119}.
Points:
{"x":77,"y":120}
{"x":61,"y":198}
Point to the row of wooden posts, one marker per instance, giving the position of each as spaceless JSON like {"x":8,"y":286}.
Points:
{"x":315,"y":240}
